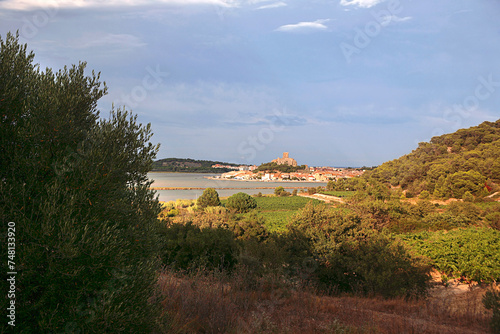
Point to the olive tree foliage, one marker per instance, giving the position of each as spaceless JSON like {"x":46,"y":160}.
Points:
{"x":76,"y":187}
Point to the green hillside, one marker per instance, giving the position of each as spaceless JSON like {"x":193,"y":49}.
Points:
{"x":189,"y":166}
{"x":451,"y":165}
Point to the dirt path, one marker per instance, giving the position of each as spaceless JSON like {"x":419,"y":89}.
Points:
{"x":324,"y":198}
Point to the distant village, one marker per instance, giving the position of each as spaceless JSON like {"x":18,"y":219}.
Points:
{"x":310,"y":174}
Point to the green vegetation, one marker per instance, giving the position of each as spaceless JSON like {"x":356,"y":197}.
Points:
{"x":241,"y":202}
{"x":189,"y":166}
{"x":189,"y":247}
{"x":210,"y":197}
{"x":344,"y":194}
{"x":491,"y":301}
{"x":450,"y":165}
{"x":472,"y":253}
{"x":76,"y":187}
{"x":92,"y":240}
{"x":273,"y":166}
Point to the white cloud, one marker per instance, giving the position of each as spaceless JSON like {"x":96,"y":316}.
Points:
{"x":117,"y":40}
{"x":273,"y":5}
{"x":304,"y":26}
{"x":394,"y":19}
{"x":51,"y":4}
{"x":360,"y":3}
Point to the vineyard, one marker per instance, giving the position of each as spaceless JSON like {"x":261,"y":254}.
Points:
{"x":469,"y":254}
{"x":277,"y":211}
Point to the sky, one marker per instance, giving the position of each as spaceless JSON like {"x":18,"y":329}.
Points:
{"x":333,"y":82}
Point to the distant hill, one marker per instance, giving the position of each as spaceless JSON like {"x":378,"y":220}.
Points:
{"x":451,"y":165}
{"x":189,"y":166}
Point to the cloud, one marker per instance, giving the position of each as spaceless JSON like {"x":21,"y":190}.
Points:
{"x":360,"y":3}
{"x":304,"y":26}
{"x":24,"y":5}
{"x":117,"y":40}
{"x":273,"y":5}
{"x":386,"y":20}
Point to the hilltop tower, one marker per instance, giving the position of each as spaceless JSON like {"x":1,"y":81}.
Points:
{"x":286,"y":160}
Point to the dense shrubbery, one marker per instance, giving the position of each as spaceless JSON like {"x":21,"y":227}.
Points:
{"x":273,"y":166}
{"x":77,"y":189}
{"x":189,"y":247}
{"x":450,"y":165}
{"x":351,"y":256}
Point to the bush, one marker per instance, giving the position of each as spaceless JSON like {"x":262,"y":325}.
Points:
{"x":376,"y":265}
{"x":241,"y":202}
{"x":351,"y":256}
{"x":468,"y":197}
{"x":491,"y":301}
{"x":188,"y":247}
{"x":424,"y":195}
{"x":311,"y":191}
{"x":278,"y":190}
{"x":210,"y":197}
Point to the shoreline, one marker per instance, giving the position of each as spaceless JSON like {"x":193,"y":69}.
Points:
{"x":291,"y":181}
{"x":219,"y":188}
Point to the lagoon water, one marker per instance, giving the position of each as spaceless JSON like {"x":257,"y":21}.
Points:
{"x":199,"y":180}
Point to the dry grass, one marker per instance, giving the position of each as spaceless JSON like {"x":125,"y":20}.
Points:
{"x":209,"y":304}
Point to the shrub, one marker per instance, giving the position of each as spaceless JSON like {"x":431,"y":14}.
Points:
{"x":241,"y":202}
{"x":210,"y":197}
{"x":351,"y":256}
{"x":491,"y":301}
{"x":468,"y":197}
{"x":311,"y":191}
{"x":188,"y":247}
{"x":250,"y":227}
{"x":493,"y":219}
{"x":424,"y":195}
{"x":278,"y":190}
{"x":375,"y":264}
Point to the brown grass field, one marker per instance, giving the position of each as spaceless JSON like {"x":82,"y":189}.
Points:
{"x":209,"y":304}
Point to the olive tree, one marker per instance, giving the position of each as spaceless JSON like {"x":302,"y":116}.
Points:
{"x":76,"y":187}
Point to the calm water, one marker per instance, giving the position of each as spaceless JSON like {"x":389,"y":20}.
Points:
{"x":198,"y":180}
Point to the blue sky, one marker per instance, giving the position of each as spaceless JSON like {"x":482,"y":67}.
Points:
{"x":335,"y":83}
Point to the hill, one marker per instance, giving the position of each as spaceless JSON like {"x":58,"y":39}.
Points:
{"x":190,"y":166}
{"x":450,"y":165}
